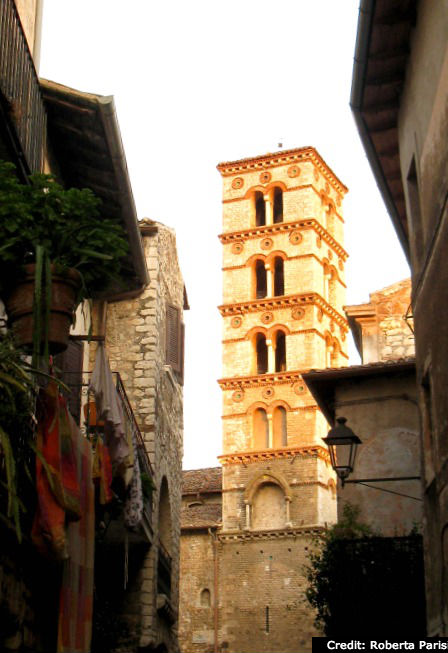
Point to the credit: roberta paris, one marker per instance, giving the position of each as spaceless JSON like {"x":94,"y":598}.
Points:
{"x":325,"y":644}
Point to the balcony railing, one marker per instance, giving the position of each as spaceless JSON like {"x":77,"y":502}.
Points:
{"x":80,"y":401}
{"x":19,"y":87}
{"x":164,"y":571}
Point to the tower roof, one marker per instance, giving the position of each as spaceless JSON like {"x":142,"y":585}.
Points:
{"x":283,"y":157}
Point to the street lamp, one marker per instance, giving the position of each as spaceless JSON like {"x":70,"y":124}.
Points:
{"x":342,"y":444}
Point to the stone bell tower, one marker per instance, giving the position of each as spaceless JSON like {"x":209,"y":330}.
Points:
{"x":283,"y":293}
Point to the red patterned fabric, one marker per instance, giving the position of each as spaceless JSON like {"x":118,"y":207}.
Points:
{"x":56,"y":475}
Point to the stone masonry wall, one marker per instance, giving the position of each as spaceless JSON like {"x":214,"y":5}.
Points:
{"x":136,"y":347}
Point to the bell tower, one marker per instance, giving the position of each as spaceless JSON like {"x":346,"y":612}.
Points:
{"x":283,"y":293}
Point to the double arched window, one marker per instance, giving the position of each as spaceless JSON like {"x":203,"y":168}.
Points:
{"x":269,"y":427}
{"x":269,"y":351}
{"x":268,"y":276}
{"x":266,"y":205}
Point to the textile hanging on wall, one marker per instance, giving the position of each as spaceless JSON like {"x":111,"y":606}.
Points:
{"x":76,"y":597}
{"x":57,"y":483}
{"x":133,"y":509}
{"x":109,"y":406}
{"x":102,"y":472}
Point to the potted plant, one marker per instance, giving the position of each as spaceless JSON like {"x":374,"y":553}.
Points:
{"x":55,"y":251}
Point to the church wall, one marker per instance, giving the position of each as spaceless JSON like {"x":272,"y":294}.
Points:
{"x":262,"y":605}
{"x":197,"y":572}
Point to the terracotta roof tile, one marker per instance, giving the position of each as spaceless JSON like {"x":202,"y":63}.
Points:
{"x":204,"y":480}
{"x":209,"y":514}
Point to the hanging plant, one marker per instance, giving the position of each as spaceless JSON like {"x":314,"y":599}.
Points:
{"x":50,"y":233}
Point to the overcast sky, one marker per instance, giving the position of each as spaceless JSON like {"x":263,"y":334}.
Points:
{"x":200,"y":82}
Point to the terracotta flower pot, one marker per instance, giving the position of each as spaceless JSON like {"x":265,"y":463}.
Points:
{"x":19,"y":307}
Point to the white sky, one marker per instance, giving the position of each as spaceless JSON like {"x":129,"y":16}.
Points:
{"x":198,"y":82}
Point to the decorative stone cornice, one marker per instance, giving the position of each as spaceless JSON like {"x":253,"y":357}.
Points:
{"x":273,"y":160}
{"x":245,"y":457}
{"x":284,"y":301}
{"x":284,"y":227}
{"x":244,"y":536}
{"x":276,"y":378}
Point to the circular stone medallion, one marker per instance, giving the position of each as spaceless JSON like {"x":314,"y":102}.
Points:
{"x":268,"y":392}
{"x":236,"y":321}
{"x":265,"y":177}
{"x":237,"y":248}
{"x":293,"y":171}
{"x":238,"y":182}
{"x":238,"y":395}
{"x":266,"y":318}
{"x":298,"y":313}
{"x":299,"y":388}
{"x":266,"y":243}
{"x":295,"y":237}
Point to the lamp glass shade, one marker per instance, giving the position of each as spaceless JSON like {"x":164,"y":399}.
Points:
{"x":342,"y":445}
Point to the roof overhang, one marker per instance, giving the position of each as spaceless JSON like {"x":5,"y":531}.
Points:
{"x":322,"y":383}
{"x":381,"y":54}
{"x":88,"y":152}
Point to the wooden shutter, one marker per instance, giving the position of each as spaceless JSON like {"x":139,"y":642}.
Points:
{"x":173,"y":342}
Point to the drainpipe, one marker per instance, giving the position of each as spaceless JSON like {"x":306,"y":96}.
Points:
{"x":215,"y":589}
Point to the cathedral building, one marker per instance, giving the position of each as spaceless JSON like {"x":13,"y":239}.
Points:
{"x":247,"y":526}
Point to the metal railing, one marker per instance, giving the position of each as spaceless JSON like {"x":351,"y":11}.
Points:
{"x":19,"y":86}
{"x":80,"y":396}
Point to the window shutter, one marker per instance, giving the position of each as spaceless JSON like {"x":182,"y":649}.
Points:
{"x":182,"y":352}
{"x":173,"y":337}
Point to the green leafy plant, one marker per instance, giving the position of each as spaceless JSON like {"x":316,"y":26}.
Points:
{"x":17,"y":396}
{"x":360,"y":582}
{"x":45,"y":224}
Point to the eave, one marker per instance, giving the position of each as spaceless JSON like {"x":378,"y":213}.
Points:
{"x":86,"y":145}
{"x":381,"y":55}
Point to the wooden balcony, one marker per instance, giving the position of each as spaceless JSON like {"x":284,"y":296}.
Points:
{"x":22,"y":112}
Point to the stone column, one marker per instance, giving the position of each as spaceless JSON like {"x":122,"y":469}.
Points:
{"x":270,"y":431}
{"x":271,"y":356}
{"x":247,"y":526}
{"x":269,"y":279}
{"x":269,"y":211}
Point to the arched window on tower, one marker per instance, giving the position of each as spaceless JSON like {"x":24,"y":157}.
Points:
{"x":278,"y":205}
{"x":260,"y":209}
{"x":260,"y":429}
{"x":261,"y":354}
{"x":279,"y":427}
{"x":268,"y":508}
{"x":260,"y":280}
{"x":280,"y":351}
{"x":279,"y":281}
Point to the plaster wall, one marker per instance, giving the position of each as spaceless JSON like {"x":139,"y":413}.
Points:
{"x":383,"y":412}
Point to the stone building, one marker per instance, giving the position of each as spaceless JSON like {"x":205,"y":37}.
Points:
{"x":144,"y":338}
{"x":379,"y":327}
{"x":379,"y":401}
{"x":243,"y":548}
{"x":400,"y":103}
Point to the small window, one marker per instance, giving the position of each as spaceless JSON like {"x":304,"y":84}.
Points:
{"x":280,"y":352}
{"x":260,"y":280}
{"x":261,"y":352}
{"x":279,"y":282}
{"x":279,"y":426}
{"x":260,"y":209}
{"x":205,"y":598}
{"x":278,"y":205}
{"x":260,"y":429}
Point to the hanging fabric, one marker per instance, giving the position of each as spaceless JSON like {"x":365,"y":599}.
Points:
{"x":133,"y":509}
{"x":57,"y":483}
{"x":76,"y":597}
{"x":109,"y":407}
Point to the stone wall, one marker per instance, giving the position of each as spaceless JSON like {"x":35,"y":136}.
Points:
{"x":379,"y":327}
{"x":136,"y":343}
